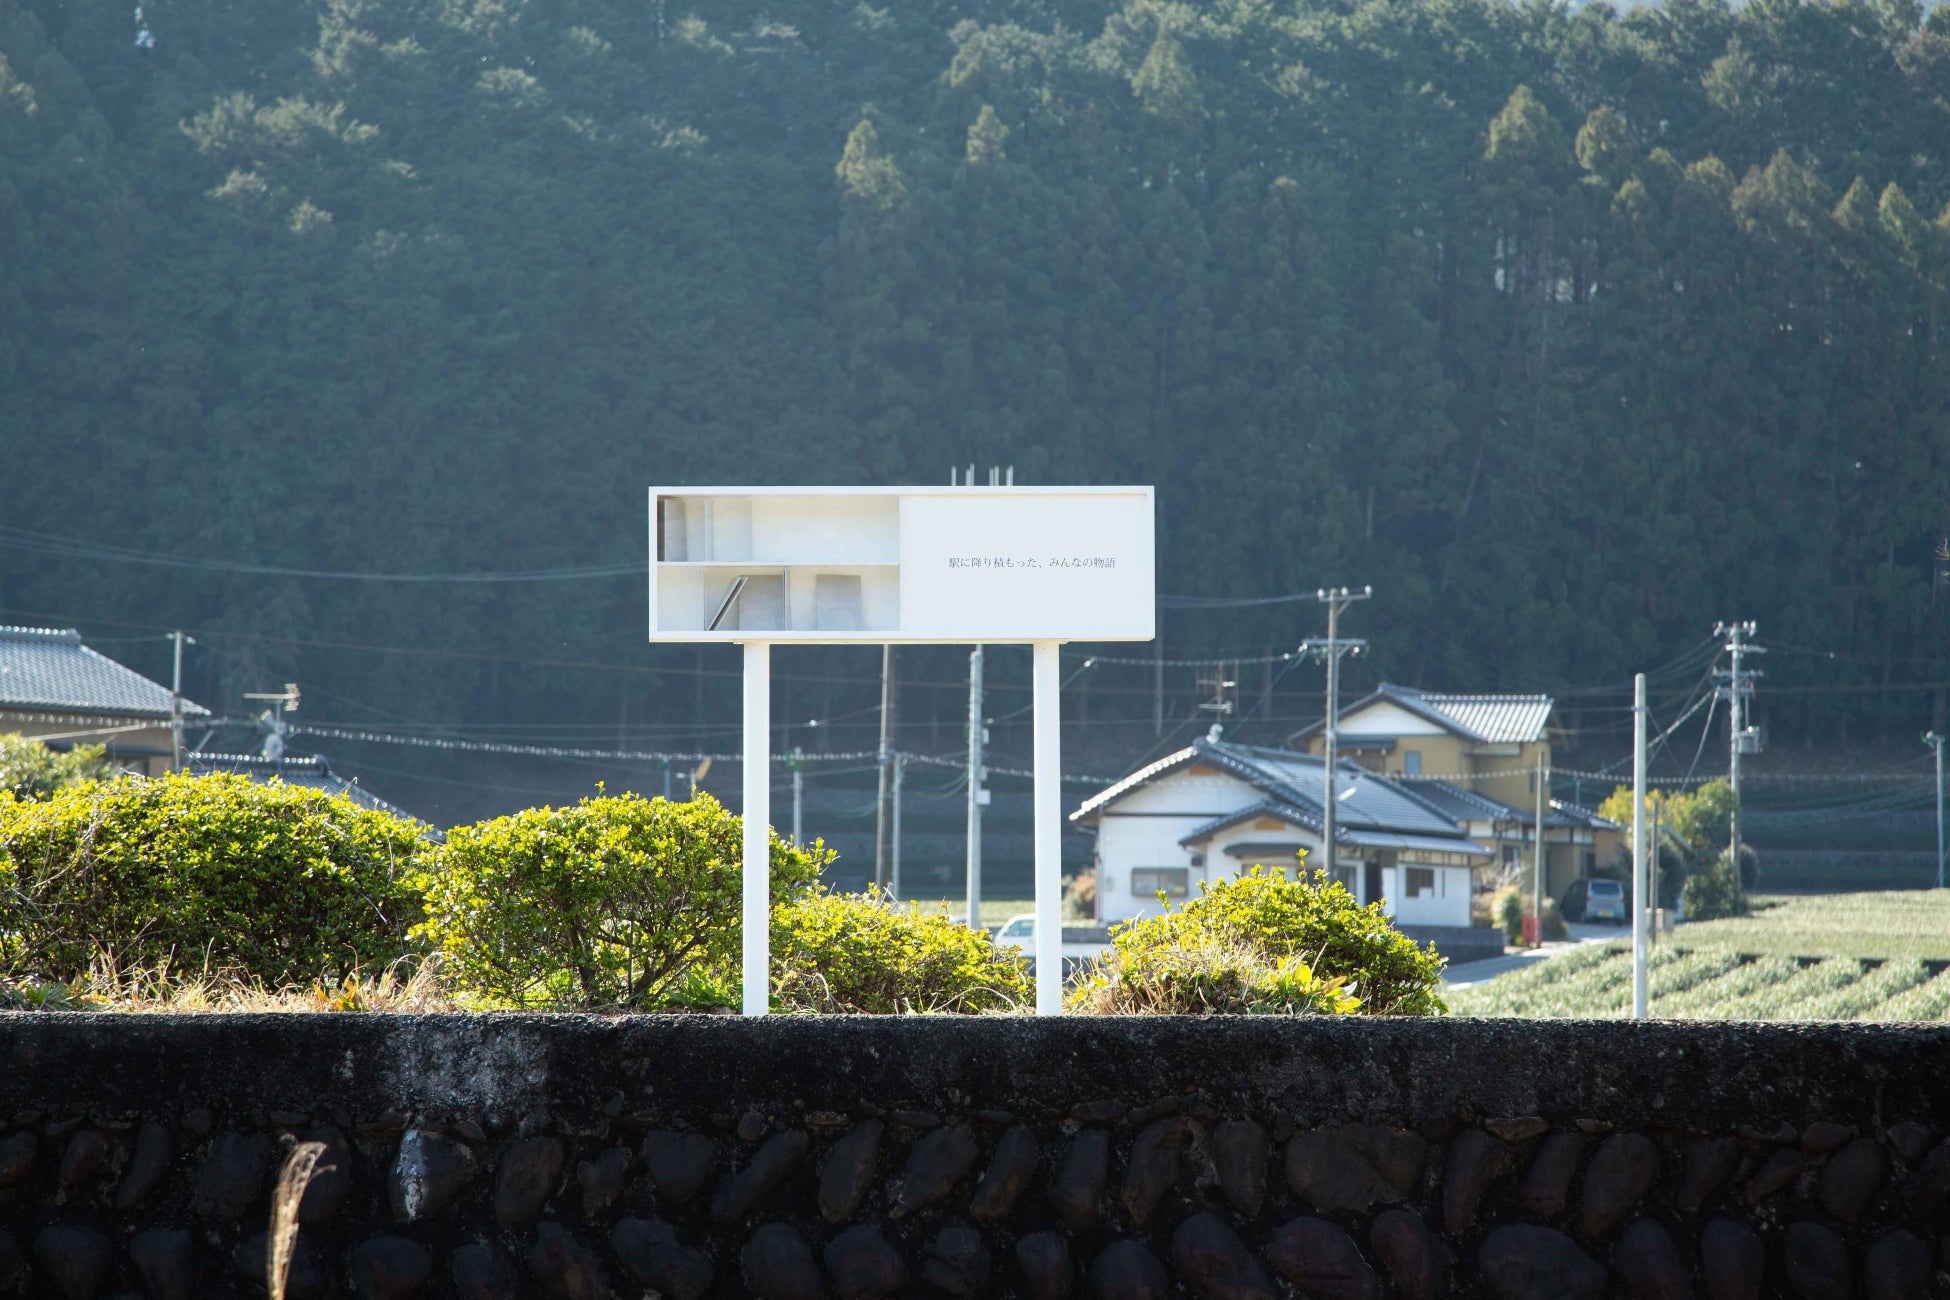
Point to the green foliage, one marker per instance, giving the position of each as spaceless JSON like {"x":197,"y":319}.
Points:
{"x":41,"y":995}
{"x":857,"y":953}
{"x":1511,"y":905}
{"x":610,"y":902}
{"x":1240,"y":935}
{"x":1714,"y":892}
{"x":483,"y":269}
{"x":277,"y":882}
{"x":32,"y":770}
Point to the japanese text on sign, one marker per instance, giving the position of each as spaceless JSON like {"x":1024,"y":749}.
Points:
{"x":1029,"y":562}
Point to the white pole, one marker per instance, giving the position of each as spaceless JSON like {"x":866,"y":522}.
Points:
{"x":1049,"y":830}
{"x":758,"y":827}
{"x":176,"y":710}
{"x":1537,"y":885}
{"x":1638,"y":847}
{"x":900,"y":770}
{"x":975,"y":788}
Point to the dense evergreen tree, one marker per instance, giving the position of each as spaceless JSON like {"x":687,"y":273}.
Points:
{"x":1571,"y":330}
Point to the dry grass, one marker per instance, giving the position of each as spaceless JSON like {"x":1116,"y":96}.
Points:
{"x":407,"y":986}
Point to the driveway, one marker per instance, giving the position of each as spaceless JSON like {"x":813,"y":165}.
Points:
{"x":1475,"y":972}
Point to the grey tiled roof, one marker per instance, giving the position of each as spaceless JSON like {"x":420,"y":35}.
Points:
{"x":1498,"y":719}
{"x":308,"y":770}
{"x":1467,"y":805}
{"x":49,"y":668}
{"x":1293,"y":784}
{"x":1486,"y":719}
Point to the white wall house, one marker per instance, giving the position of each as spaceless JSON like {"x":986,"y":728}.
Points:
{"x":1215,"y":809}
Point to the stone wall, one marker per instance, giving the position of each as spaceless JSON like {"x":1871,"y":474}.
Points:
{"x":684,"y":1157}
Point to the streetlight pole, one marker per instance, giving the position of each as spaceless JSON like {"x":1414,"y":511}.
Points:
{"x":1935,"y":741}
{"x":1336,"y":599}
{"x":1639,"y":1009}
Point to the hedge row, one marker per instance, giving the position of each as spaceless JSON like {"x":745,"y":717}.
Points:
{"x":615,"y":902}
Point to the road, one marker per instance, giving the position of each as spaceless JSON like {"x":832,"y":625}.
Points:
{"x":1475,"y":972}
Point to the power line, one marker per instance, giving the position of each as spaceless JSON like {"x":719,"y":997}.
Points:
{"x":20,"y":539}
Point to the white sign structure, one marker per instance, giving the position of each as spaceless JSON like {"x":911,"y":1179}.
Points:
{"x":980,"y":565}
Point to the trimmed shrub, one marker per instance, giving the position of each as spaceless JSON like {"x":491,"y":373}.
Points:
{"x":30,"y":770}
{"x":856,"y":953}
{"x":277,"y":881}
{"x":1512,"y":905}
{"x":611,"y":902}
{"x":1209,"y":975}
{"x":1714,"y":893}
{"x":1239,"y":936}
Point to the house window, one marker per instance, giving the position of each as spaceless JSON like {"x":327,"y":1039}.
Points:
{"x":1421,"y":880}
{"x":1344,"y":876}
{"x":1412,"y":762}
{"x":1149,"y":882}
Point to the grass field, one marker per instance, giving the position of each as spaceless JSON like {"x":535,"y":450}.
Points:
{"x":1827,"y":957}
{"x":1898,"y":923}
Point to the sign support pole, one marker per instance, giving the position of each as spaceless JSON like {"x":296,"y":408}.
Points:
{"x":757,"y":817}
{"x":1049,"y":829}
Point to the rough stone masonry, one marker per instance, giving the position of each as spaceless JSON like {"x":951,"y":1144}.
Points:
{"x":793,"y":1158}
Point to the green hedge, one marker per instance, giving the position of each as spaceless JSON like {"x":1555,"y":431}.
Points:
{"x":616,"y":901}
{"x":855,"y":953}
{"x":1263,"y":942}
{"x":277,"y":882}
{"x":31,"y":770}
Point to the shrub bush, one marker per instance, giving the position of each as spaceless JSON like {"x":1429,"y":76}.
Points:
{"x":856,"y":953}
{"x":1714,"y":893}
{"x":612,"y":902}
{"x":30,"y":770}
{"x":1240,"y":934}
{"x":1512,"y":905}
{"x":276,"y":881}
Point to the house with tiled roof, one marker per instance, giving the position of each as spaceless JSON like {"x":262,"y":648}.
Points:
{"x":58,"y":690}
{"x":1215,"y":809}
{"x":1476,"y":758}
{"x":312,"y":771}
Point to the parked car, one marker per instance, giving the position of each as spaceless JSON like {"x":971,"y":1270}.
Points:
{"x":1018,"y":932}
{"x":1595,"y":900}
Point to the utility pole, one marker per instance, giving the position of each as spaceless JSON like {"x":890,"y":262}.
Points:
{"x":1336,"y":599}
{"x":1658,"y":814}
{"x":1537,"y":889}
{"x":798,"y":795}
{"x":1638,"y":848}
{"x":978,"y":795}
{"x":1158,"y":678}
{"x":176,"y":703}
{"x":883,"y":856}
{"x":1934,"y":740}
{"x":900,"y":770}
{"x":1741,"y":738}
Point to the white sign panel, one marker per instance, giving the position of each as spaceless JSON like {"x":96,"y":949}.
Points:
{"x":996,"y":567}
{"x":874,"y":565}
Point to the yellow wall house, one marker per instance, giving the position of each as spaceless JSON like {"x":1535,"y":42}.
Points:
{"x":55,"y":688}
{"x":1476,"y":757}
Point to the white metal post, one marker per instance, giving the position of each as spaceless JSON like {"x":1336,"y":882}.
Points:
{"x":798,"y":801}
{"x":1048,"y":747}
{"x":1638,"y":847}
{"x":900,"y":770}
{"x":1935,"y":741}
{"x":176,"y":706}
{"x":758,"y":827}
{"x":975,"y":779}
{"x":1537,"y":885}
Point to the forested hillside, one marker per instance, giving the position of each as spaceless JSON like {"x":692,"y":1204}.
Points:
{"x":1569,"y":331}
